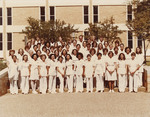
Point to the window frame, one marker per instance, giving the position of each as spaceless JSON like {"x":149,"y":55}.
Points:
{"x":130,"y":40}
{"x":54,"y":15}
{"x":1,"y":41}
{"x":42,"y":15}
{"x":85,"y":15}
{"x":95,"y":14}
{"x":1,"y":17}
{"x":9,"y":41}
{"x":9,"y":16}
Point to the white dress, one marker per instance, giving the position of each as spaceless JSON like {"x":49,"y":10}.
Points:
{"x":13,"y":70}
{"x":43,"y":70}
{"x":52,"y":70}
{"x":89,"y":67}
{"x":24,"y":68}
{"x":61,"y":67}
{"x":69,"y":70}
{"x":111,"y":66}
{"x":99,"y":67}
{"x":79,"y":67}
{"x":122,"y":67}
{"x":34,"y":70}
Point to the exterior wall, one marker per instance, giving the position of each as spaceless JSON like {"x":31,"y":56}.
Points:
{"x":118,"y":13}
{"x":18,"y":41}
{"x":69,"y":14}
{"x":20,"y":15}
{"x":123,"y":37}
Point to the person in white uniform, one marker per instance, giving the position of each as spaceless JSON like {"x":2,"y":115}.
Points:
{"x":88,"y":72}
{"x":69,"y":72}
{"x":52,"y":73}
{"x":133,"y":73}
{"x":25,"y":68}
{"x":61,"y":73}
{"x":111,"y":75}
{"x":99,"y":72}
{"x":34,"y":73}
{"x":43,"y":74}
{"x":13,"y":75}
{"x":122,"y":72}
{"x":140,"y":60}
{"x":79,"y":72}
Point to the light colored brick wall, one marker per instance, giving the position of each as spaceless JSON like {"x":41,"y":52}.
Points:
{"x":69,"y":14}
{"x":123,"y":37}
{"x":18,"y":41}
{"x":118,"y":13}
{"x":21,"y":14}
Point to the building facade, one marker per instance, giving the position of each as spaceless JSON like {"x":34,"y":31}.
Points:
{"x":14,"y":14}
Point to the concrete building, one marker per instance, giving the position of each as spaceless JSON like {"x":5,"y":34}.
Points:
{"x":14,"y":14}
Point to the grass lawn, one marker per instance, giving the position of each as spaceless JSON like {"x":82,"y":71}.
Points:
{"x":2,"y":65}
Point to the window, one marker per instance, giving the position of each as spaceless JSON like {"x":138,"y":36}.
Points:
{"x":1,"y":41}
{"x":130,"y":39}
{"x":9,"y":41}
{"x":52,"y":13}
{"x":42,"y":13}
{"x":9,"y":16}
{"x":129,"y":11}
{"x":86,"y":35}
{"x":86,"y":14}
{"x":1,"y":18}
{"x":95,"y":14}
{"x":139,"y":41}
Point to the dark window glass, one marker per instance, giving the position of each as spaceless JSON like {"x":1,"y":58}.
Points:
{"x":52,"y":11}
{"x":95,"y":11}
{"x":95,"y":19}
{"x":52,"y":18}
{"x":9,"y":17}
{"x":1,"y":41}
{"x":86,"y":34}
{"x":129,"y":17}
{"x":9,"y":41}
{"x":0,"y":11}
{"x":8,"y":11}
{"x":130,"y":44}
{"x":1,"y":21}
{"x":129,"y":35}
{"x":42,"y":18}
{"x":130,"y":39}
{"x":129,"y":9}
{"x":85,"y":9}
{"x":42,"y":10}
{"x":86,"y":20}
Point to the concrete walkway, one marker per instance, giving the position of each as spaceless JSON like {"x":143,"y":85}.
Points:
{"x":76,"y":105}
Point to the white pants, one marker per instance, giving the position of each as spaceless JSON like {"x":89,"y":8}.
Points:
{"x":33,"y":85}
{"x":25,"y":84}
{"x":74,"y":81}
{"x":13,"y":86}
{"x":43,"y":84}
{"x":52,"y":84}
{"x":133,"y":83}
{"x":79,"y":84}
{"x":99,"y":82}
{"x":140,"y":74}
{"x":122,"y":82}
{"x":61,"y":89}
{"x":70,"y":83}
{"x":89,"y":84}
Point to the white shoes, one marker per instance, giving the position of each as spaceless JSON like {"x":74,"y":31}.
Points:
{"x":34,"y":92}
{"x":110,"y":91}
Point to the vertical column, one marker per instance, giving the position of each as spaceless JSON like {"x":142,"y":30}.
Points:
{"x":90,"y":11}
{"x":4,"y":30}
{"x":47,"y":10}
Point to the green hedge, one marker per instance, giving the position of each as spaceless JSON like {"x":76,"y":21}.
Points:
{"x":2,"y":65}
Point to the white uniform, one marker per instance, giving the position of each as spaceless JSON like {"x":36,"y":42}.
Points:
{"x":34,"y":75}
{"x":52,"y":76}
{"x":94,"y":58}
{"x":140,"y":60}
{"x":79,"y":71}
{"x":89,"y":67}
{"x":99,"y":71}
{"x":13,"y":77}
{"x":74,"y":59}
{"x":43,"y":79}
{"x":24,"y":68}
{"x":133,"y":80}
{"x":122,"y":75}
{"x":61,"y":67}
{"x":111,"y":67}
{"x":69,"y":74}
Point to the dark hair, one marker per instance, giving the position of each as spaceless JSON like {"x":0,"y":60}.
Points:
{"x":42,"y":56}
{"x":19,"y":50}
{"x":116,"y":48}
{"x":14,"y":56}
{"x":127,"y":48}
{"x":24,"y":56}
{"x":43,"y":47}
{"x":34,"y":46}
{"x":67,"y":55}
{"x":133,"y":54}
{"x":140,"y":50}
{"x":105,"y":49}
{"x":63,"y":51}
{"x":60,"y":57}
{"x":78,"y":45}
{"x":26,"y":47}
{"x":94,"y":43}
{"x":88,"y":55}
{"x":74,"y":50}
{"x":119,"y":57}
{"x":50,"y":56}
{"x":38,"y":51}
{"x":117,"y":42}
{"x":35,"y":55}
{"x":92,"y":49}
{"x":38,"y":43}
{"x":11,"y":51}
{"x":79,"y":54}
{"x":110,"y":52}
{"x":99,"y":54}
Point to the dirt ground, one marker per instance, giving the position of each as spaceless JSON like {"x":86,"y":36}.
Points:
{"x":76,"y":105}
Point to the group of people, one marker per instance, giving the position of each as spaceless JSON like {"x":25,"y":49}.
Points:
{"x":74,"y":63}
